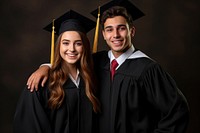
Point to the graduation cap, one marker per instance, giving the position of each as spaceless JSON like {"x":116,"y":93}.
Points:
{"x":130,"y":7}
{"x":70,"y":21}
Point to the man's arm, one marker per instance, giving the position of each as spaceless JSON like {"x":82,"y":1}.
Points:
{"x":41,"y":74}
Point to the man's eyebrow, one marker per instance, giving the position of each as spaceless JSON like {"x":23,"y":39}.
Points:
{"x":108,"y":27}
{"x":117,"y":26}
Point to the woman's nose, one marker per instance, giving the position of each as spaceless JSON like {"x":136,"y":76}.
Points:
{"x":71,"y":47}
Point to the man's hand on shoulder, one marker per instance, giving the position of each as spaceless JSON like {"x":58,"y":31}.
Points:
{"x":41,"y":74}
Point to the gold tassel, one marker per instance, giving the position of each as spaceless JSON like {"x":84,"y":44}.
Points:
{"x":52,"y":43}
{"x":96,"y":33}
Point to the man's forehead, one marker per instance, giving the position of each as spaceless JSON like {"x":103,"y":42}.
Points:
{"x":115,"y":21}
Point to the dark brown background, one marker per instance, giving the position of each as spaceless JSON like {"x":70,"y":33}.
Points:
{"x":169,"y":33}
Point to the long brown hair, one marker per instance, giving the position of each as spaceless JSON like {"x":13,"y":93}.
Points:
{"x":59,"y":74}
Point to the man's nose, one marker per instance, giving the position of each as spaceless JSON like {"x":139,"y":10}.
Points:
{"x":116,"y":33}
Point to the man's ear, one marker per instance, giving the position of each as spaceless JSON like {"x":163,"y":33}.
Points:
{"x":132,"y":31}
{"x":103,"y":33}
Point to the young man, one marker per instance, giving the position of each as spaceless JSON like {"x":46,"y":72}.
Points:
{"x":140,"y":96}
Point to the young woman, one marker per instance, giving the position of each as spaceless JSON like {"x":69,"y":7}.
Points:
{"x":67,"y":101}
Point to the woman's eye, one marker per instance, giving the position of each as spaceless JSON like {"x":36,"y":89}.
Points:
{"x":78,"y":43}
{"x":65,"y":43}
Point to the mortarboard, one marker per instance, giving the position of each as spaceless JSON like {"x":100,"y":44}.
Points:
{"x":70,"y":21}
{"x":130,"y":7}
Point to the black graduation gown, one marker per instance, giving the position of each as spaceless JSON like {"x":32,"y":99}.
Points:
{"x":74,"y":116}
{"x":142,"y":98}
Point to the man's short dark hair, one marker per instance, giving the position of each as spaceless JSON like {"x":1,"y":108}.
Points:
{"x":116,"y":11}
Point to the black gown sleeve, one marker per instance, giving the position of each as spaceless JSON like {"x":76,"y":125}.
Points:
{"x":163,"y":93}
{"x":31,"y":115}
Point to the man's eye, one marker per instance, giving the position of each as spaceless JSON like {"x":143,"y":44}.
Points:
{"x":108,"y":30}
{"x":122,"y":28}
